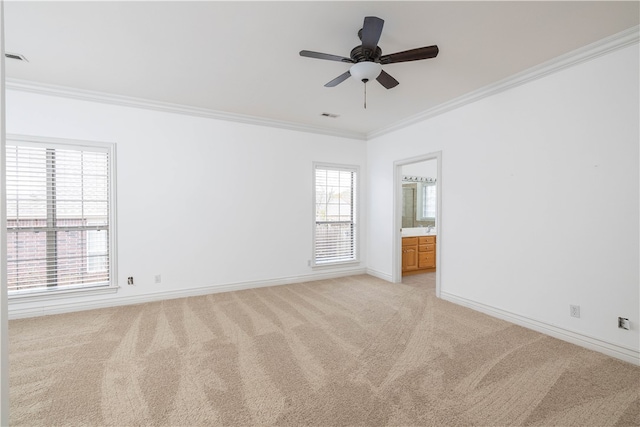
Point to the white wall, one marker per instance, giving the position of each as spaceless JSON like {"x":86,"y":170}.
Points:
{"x":540,"y":201}
{"x":427,"y":169}
{"x":201,"y":202}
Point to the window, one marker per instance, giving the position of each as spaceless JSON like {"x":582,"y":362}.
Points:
{"x":427,"y":201}
{"x":97,"y":250}
{"x":59,"y":221}
{"x":335,"y":234}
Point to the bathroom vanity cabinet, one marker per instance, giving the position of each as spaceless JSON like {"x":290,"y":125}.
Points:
{"x":418,"y":254}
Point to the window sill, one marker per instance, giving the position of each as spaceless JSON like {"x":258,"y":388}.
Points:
{"x":56,"y":294}
{"x":335,"y":264}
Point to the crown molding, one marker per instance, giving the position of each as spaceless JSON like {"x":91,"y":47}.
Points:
{"x":604,"y":46}
{"x":126,"y":101}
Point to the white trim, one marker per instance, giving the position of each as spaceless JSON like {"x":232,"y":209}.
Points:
{"x":127,"y":101}
{"x":380,"y":275}
{"x":4,"y":324}
{"x":62,"y":142}
{"x":396,"y":263}
{"x":609,"y":44}
{"x":16,"y":312}
{"x":113,"y":215}
{"x":55,"y":294}
{"x":602,"y":47}
{"x":619,"y":352}
{"x":336,"y":264}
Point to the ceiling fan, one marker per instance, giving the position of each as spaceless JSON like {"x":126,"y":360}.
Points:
{"x":367,"y":59}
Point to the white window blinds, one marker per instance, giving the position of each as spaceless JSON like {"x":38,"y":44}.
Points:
{"x":58,"y":216}
{"x":335,"y":215}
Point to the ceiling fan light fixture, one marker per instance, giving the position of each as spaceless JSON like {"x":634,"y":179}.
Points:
{"x":365,"y":71}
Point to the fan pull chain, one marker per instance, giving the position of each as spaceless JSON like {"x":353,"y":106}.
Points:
{"x":365,"y":93}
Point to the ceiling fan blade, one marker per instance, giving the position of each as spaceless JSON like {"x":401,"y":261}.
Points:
{"x":318,"y":55}
{"x":386,"y":80}
{"x":338,"y":80}
{"x":371,"y":31}
{"x":410,"y":55}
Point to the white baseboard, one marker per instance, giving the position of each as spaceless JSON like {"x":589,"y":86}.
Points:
{"x":67,"y":306}
{"x":379,"y":275}
{"x":623,"y":353}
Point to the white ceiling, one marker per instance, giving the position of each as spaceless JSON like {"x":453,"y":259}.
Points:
{"x":242,"y":57}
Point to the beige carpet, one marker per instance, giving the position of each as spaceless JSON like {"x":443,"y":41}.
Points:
{"x":352,"y":351}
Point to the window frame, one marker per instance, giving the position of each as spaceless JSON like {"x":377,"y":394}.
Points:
{"x":355,"y":216}
{"x":72,"y":144}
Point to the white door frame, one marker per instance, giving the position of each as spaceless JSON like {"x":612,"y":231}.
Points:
{"x":4,"y":307}
{"x":397,"y":215}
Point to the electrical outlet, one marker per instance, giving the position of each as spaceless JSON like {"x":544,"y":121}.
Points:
{"x":574,"y":311}
{"x":623,"y":323}
{"x":158,"y":278}
{"x":130,"y":280}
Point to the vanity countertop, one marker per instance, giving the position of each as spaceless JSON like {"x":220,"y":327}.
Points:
{"x":418,"y":231}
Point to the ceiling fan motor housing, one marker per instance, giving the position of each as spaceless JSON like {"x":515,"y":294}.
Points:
{"x":359,"y":54}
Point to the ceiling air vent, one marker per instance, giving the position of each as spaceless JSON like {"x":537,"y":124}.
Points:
{"x":331,"y":115}
{"x":15,"y":56}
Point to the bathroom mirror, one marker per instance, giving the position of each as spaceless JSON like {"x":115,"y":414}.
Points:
{"x":418,"y":202}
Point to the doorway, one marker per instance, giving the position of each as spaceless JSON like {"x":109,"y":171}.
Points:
{"x":417,"y":177}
